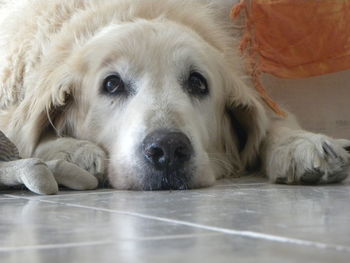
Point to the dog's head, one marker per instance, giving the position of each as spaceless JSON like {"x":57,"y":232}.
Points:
{"x":162,"y":93}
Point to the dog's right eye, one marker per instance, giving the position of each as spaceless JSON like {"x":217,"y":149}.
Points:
{"x":197,"y":84}
{"x":113,"y":85}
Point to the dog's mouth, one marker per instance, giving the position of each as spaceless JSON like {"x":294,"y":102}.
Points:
{"x":178,"y":180}
{"x":146,"y":179}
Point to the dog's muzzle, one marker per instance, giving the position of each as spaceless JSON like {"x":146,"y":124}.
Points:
{"x":167,"y":155}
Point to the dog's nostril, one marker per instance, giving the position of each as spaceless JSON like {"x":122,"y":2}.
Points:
{"x":182,"y":153}
{"x":154,"y":154}
{"x":167,"y":150}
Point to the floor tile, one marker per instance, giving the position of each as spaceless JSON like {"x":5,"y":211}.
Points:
{"x":34,"y":223}
{"x":203,"y":249}
{"x":317,"y":213}
{"x":241,"y":220}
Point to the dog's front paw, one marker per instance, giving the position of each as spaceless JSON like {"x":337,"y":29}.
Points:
{"x":88,"y":156}
{"x":308,"y":158}
{"x":84,"y":154}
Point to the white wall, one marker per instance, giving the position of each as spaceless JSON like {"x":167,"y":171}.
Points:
{"x":322,"y":104}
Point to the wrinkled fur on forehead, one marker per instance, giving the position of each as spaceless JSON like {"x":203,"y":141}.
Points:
{"x":57,"y":75}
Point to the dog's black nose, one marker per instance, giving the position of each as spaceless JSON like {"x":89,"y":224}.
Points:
{"x":167,"y":150}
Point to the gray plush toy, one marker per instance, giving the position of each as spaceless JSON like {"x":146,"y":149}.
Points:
{"x":39,"y":176}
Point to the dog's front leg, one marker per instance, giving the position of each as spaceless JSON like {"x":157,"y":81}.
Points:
{"x":84,"y":154}
{"x":292,"y":155}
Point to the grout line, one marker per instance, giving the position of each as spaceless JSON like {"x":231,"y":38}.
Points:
{"x":239,"y":184}
{"x":38,"y":196}
{"x":102,"y":242}
{"x":8,"y":196}
{"x":241,"y":233}
{"x":182,"y":236}
{"x":53,"y":246}
{"x":263,"y":189}
{"x":237,"y":188}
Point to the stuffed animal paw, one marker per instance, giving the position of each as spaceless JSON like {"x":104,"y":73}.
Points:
{"x":39,"y":176}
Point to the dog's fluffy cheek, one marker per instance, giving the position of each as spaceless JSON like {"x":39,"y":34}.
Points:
{"x":204,"y":175}
{"x":122,"y":177}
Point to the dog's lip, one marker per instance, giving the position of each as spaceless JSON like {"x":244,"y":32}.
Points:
{"x":147,"y":179}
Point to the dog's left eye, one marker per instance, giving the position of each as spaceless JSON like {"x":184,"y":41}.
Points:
{"x":197,"y":84}
{"x":113,"y":85}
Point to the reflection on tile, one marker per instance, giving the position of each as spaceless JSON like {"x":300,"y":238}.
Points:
{"x":4,"y":197}
{"x":192,"y":249}
{"x":310,"y":213}
{"x":242,"y":219}
{"x":30,"y":223}
{"x":243,"y":180}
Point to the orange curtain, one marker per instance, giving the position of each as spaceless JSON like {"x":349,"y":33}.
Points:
{"x":296,"y":38}
{"x":300,"y":38}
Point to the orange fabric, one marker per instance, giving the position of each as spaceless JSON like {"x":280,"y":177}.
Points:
{"x":295,"y":38}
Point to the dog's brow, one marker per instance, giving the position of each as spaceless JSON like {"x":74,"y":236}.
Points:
{"x":107,"y":61}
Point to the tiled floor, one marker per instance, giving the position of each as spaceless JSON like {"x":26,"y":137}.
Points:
{"x":239,"y":220}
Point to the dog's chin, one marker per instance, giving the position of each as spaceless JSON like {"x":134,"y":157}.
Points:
{"x":126,"y":178}
{"x":147,"y":180}
{"x":170,"y":180}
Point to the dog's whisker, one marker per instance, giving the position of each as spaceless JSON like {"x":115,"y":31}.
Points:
{"x":224,"y":163}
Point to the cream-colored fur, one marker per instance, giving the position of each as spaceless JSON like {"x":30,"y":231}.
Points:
{"x":54,"y":55}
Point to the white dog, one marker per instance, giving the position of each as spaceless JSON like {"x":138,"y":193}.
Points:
{"x":151,"y":93}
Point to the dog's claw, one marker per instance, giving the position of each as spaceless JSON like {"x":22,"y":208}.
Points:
{"x":329,"y":151}
{"x":311,"y":176}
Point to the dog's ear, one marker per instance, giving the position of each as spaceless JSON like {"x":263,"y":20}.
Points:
{"x":26,"y":123}
{"x":248,"y":117}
